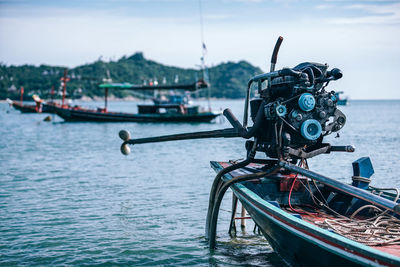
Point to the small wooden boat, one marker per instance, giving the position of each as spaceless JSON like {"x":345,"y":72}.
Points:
{"x":310,"y":222}
{"x":24,"y":108}
{"x":170,"y":111}
{"x":40,"y":106}
{"x":100,"y":115}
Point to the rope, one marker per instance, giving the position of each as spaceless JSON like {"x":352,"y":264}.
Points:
{"x":382,"y":190}
{"x":384,"y":230}
{"x":361,"y":179}
{"x":379,"y":230}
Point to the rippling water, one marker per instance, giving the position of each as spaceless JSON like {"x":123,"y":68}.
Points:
{"x":67,"y":195}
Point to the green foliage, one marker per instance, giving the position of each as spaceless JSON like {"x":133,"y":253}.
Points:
{"x":228,"y":80}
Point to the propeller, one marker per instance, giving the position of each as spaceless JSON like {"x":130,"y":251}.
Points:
{"x":125,"y":136}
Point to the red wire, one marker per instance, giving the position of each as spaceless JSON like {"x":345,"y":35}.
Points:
{"x":290,"y":195}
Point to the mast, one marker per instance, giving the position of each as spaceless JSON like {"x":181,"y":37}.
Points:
{"x":22,"y":94}
{"x":105,"y":98}
{"x":64,"y":79}
{"x":52,"y":93}
{"x":203,"y":54}
{"x":106,"y":80}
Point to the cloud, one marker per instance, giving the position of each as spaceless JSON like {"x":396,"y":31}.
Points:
{"x":376,"y":14}
{"x":324,"y":7}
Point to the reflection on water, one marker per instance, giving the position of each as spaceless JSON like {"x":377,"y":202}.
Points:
{"x":67,"y":195}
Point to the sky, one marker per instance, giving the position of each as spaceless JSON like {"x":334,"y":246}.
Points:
{"x":362,"y":38}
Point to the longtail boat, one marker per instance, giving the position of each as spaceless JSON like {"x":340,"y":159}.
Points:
{"x":177,"y":110}
{"x":308,"y":218}
{"x":24,"y":108}
{"x":314,"y":220}
{"x":40,"y":106}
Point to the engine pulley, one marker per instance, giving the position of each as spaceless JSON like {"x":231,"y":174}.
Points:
{"x":311,"y":129}
{"x":281,"y":110}
{"x":306,"y":102}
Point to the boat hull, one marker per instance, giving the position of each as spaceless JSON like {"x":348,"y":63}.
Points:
{"x":25,"y":108}
{"x":71,"y":114}
{"x":298,"y":241}
{"x":298,"y":246}
{"x":48,"y":108}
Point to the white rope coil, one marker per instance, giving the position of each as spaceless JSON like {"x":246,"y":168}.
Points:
{"x":383,"y":230}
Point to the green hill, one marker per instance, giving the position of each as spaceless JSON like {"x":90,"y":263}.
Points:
{"x":227,"y":80}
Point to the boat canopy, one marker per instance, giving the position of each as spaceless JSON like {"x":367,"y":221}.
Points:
{"x":128,"y":86}
{"x":116,"y":85}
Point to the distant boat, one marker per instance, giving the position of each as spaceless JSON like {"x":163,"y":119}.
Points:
{"x":340,"y":100}
{"x":24,"y":108}
{"x":173,"y":109}
{"x":40,"y":106}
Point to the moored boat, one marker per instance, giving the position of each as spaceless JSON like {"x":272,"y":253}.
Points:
{"x":24,"y":108}
{"x":92,"y":115}
{"x":169,"y":111}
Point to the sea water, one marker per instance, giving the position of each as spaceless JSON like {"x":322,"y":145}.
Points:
{"x":69,"y":197}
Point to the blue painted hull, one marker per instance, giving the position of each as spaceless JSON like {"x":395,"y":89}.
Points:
{"x":300,"y":242}
{"x":299,"y":245}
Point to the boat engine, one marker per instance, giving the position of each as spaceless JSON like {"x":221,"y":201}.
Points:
{"x":293,"y":111}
